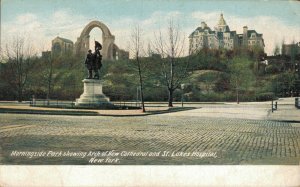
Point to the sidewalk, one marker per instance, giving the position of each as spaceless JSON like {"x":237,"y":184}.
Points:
{"x":228,"y":110}
{"x":25,"y":109}
{"x":247,"y":110}
{"x":286,"y":111}
{"x":7,"y":107}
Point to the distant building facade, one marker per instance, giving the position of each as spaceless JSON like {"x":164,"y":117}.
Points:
{"x":122,"y":54}
{"x":222,"y":38}
{"x":46,"y":54}
{"x":61,"y":46}
{"x":290,"y":49}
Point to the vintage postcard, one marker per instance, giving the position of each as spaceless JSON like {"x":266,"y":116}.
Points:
{"x":149,"y":93}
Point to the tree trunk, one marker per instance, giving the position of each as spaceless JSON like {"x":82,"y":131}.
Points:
{"x":237,"y":96}
{"x":170,"y":100}
{"x":142,"y":98}
{"x":49,"y":83}
{"x":49,"y":87}
{"x":141,"y":85}
{"x":142,"y":93}
{"x":20,"y":95}
{"x":237,"y":92}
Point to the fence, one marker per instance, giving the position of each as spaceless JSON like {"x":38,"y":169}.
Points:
{"x":71,"y":104}
{"x":52,"y":103}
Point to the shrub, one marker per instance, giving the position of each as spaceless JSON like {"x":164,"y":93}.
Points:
{"x":267,"y":96}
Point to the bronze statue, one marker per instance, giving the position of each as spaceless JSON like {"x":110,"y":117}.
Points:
{"x":93,"y":61}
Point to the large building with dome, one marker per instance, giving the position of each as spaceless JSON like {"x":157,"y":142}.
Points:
{"x":223,"y":38}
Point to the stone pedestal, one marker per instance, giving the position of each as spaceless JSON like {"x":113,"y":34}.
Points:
{"x":92,"y":95}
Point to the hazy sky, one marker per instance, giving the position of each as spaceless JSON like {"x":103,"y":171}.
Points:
{"x":43,"y":20}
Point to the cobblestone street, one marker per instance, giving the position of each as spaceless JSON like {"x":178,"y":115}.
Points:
{"x":235,"y":141}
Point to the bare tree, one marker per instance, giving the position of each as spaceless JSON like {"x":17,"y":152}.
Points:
{"x":137,"y":50}
{"x":47,"y":70}
{"x":19,"y":58}
{"x":171,"y":48}
{"x":49,"y":78}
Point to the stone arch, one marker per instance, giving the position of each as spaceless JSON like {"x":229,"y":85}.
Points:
{"x":113,"y":51}
{"x":82,"y":43}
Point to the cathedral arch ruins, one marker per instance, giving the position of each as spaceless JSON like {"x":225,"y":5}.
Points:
{"x":109,"y":50}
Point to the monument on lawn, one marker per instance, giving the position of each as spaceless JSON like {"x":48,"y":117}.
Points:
{"x":93,"y":95}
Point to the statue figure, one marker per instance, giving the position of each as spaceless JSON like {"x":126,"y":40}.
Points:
{"x":93,"y":61}
{"x":89,"y":64}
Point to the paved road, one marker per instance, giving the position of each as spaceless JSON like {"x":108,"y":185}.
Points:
{"x":242,"y":111}
{"x":220,"y":140}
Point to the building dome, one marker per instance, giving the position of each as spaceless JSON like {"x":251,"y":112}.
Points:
{"x":222,"y":26}
{"x":222,"y":20}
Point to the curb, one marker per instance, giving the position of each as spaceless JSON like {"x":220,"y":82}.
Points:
{"x":86,"y":113}
{"x":47,"y":112}
{"x":285,"y":121}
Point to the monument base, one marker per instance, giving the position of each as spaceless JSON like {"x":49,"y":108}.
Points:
{"x":93,"y":96}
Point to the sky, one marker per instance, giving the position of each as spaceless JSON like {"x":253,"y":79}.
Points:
{"x":42,"y":20}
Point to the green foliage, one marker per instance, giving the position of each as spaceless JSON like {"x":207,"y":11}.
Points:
{"x":120,"y":79}
{"x":273,"y":69}
{"x":212,"y":76}
{"x":267,"y":96}
{"x":241,"y":75}
{"x":223,"y":83}
{"x":208,"y":60}
{"x":284,"y":83}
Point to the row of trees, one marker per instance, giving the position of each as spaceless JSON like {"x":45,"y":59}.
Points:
{"x":23,"y":73}
{"x":169,"y":47}
{"x":162,"y":74}
{"x":15,"y":72}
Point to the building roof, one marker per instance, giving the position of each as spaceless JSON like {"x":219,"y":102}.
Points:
{"x":249,"y":32}
{"x":220,"y":35}
{"x":227,"y":28}
{"x":64,"y":39}
{"x":232,"y":33}
{"x":200,"y":29}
